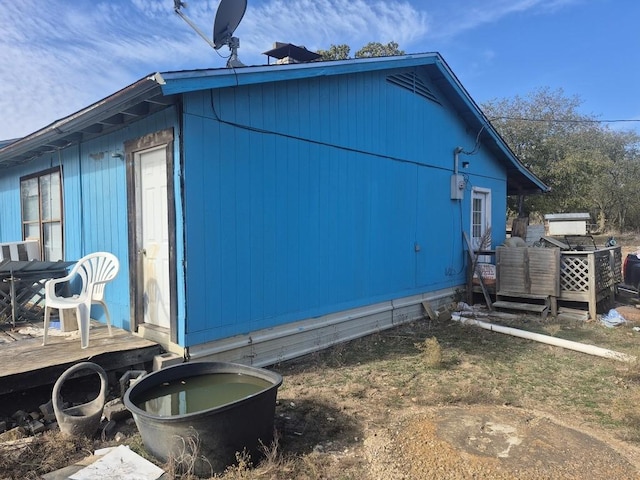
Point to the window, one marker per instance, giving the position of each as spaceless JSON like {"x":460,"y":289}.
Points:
{"x":41,"y":199}
{"x":481,"y":218}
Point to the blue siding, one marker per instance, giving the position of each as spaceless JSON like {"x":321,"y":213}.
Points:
{"x":95,"y":203}
{"x":96,"y":212}
{"x":313,"y":197}
{"x":311,"y":200}
{"x":10,"y":217}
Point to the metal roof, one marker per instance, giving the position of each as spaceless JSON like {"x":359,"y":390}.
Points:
{"x":158,"y":90}
{"x":567,"y":216}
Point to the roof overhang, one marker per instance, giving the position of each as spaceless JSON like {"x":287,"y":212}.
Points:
{"x":125,"y":106}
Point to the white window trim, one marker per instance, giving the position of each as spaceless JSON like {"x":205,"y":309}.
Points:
{"x":487,"y":207}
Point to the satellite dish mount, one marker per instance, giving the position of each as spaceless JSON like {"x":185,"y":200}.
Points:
{"x":228,"y":17}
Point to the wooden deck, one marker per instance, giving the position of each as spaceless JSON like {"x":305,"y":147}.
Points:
{"x":25,"y":363}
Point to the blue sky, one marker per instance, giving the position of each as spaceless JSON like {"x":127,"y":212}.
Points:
{"x":59,"y":56}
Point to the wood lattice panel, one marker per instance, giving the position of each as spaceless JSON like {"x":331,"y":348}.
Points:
{"x":576,"y":270}
{"x":575,"y":274}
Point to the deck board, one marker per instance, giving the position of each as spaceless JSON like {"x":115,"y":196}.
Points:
{"x":26,"y":363}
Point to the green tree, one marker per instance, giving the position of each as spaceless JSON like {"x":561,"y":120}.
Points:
{"x":371,"y":49}
{"x":335,"y":52}
{"x":585,"y":163}
{"x":377,"y":49}
{"x":614,"y":190}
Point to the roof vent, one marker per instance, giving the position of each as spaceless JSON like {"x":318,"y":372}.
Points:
{"x":289,"y":53}
{"x":410,"y":81}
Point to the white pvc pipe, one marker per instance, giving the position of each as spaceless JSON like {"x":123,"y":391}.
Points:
{"x":558,"y":342}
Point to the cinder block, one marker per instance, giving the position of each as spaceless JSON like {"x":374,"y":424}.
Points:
{"x":129,"y":378}
{"x":115,"y":410}
{"x":166,"y":360}
{"x":47,"y":408}
{"x":443,"y":314}
{"x":36,"y":427}
{"x":68,"y":321}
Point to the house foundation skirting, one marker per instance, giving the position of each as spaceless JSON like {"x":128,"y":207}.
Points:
{"x":274,"y":345}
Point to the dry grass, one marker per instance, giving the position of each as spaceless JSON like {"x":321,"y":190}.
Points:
{"x":431,"y":352}
{"x":183,"y":465}
{"x":31,"y":457}
{"x":273,"y":465}
{"x":362,"y":383}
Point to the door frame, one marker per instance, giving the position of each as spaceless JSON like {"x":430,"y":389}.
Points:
{"x":134,"y":215}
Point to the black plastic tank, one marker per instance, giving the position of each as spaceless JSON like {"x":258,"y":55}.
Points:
{"x":203,"y":413}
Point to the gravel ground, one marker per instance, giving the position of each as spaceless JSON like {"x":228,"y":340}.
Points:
{"x":493,"y":443}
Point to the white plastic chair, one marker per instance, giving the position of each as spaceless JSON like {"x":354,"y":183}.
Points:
{"x":95,"y":271}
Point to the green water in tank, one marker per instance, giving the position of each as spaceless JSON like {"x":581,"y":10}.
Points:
{"x":202,"y":392}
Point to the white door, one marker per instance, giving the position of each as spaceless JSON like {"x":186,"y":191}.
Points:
{"x":152,"y":165}
{"x":481,"y":220}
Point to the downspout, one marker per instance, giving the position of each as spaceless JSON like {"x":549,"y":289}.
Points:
{"x":558,"y":342}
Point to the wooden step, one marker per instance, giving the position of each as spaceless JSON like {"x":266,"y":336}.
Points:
{"x":527,"y":307}
{"x":550,"y":302}
{"x":503,"y":293}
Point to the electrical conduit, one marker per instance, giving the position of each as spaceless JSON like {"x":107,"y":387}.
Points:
{"x":537,"y":337}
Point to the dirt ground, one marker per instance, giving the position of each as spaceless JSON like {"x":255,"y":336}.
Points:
{"x":493,"y":442}
{"x":461,"y":441}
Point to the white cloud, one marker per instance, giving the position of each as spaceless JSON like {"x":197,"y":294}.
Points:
{"x":320,"y":23}
{"x":59,"y":56}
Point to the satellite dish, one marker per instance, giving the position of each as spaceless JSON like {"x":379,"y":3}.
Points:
{"x":228,"y":17}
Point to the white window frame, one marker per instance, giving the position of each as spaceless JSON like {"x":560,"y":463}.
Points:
{"x":47,"y":250}
{"x":478,"y":230}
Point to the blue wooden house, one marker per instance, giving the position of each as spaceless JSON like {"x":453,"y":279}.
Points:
{"x":264,"y":212}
